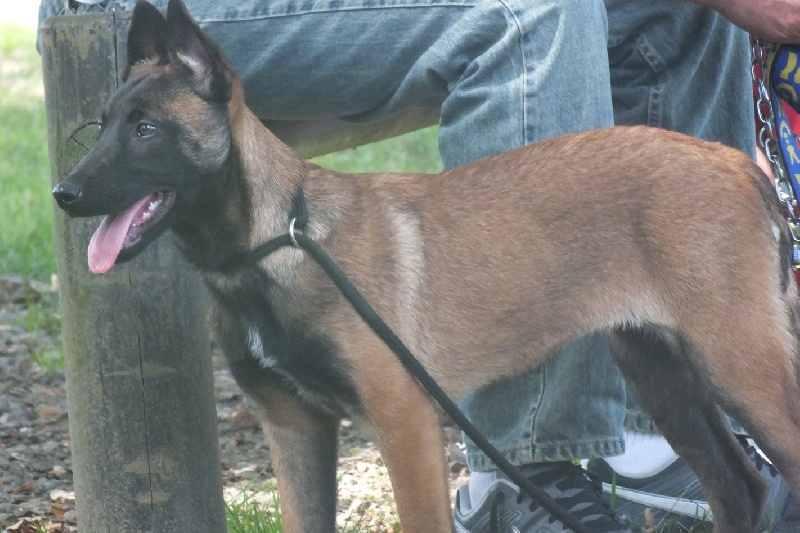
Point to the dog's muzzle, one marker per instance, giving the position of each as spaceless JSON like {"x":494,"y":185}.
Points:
{"x":67,"y":194}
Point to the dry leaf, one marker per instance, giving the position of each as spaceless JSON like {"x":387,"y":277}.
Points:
{"x":49,"y":413}
{"x":26,"y":525}
{"x":649,"y":522}
{"x":28,"y":486}
{"x":57,"y":512}
{"x":243,"y":417}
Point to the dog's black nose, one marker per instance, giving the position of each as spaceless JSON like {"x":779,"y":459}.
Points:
{"x":67,"y":193}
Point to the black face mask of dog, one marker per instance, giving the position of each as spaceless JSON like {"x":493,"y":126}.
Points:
{"x":147,"y":171}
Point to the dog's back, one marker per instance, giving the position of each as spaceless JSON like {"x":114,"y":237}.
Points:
{"x":610,"y":227}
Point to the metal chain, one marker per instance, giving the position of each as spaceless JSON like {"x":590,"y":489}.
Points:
{"x":769,"y":143}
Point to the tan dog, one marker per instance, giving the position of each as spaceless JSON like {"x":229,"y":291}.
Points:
{"x":674,"y":246}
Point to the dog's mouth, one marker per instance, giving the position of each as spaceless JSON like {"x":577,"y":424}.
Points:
{"x":121,"y":231}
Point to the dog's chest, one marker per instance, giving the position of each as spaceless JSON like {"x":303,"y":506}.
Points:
{"x":306,"y":362}
{"x":307,"y":366}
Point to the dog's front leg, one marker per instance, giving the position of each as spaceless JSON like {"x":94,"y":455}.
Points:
{"x":409,"y":436}
{"x":303,"y":446}
{"x":304,"y":457}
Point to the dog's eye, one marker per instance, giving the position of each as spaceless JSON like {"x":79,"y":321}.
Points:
{"x":145,"y":130}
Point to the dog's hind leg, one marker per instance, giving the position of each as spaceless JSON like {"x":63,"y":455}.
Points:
{"x":655,"y":364}
{"x":755,"y":378}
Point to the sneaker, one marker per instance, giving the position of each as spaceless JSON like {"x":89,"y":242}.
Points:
{"x":503,"y":509}
{"x":674,"y":497}
{"x":782,"y":512}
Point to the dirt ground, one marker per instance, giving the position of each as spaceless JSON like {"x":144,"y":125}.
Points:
{"x":35,"y":463}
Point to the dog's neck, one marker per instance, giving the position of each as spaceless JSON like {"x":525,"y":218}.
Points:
{"x":270,"y":170}
{"x":252,"y":196}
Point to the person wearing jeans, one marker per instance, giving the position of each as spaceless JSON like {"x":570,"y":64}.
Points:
{"x":506,"y":73}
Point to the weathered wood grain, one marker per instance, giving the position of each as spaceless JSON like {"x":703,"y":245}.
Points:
{"x":138,"y":368}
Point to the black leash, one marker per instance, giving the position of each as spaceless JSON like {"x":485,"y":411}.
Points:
{"x":296,"y":238}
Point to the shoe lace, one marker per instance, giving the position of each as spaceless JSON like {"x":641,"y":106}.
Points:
{"x":494,"y":526}
{"x":585,"y":480}
{"x":756,"y":457}
{"x":597,"y":485}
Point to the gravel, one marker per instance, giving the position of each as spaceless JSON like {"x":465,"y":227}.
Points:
{"x":35,"y":463}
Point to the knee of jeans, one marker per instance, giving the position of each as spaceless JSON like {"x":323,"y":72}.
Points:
{"x":548,"y":34}
{"x":527,"y":54}
{"x":556,"y":19}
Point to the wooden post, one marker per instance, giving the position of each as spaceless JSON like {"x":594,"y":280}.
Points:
{"x":140,"y":393}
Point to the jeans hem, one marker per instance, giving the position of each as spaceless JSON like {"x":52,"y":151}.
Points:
{"x":639,"y":421}
{"x":563,"y":451}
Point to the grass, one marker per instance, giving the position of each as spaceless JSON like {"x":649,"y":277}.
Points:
{"x":26,"y":238}
{"x":245,"y":514}
{"x":413,"y":152}
{"x":40,"y":313}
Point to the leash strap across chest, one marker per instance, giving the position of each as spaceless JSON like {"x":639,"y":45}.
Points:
{"x":297,"y":238}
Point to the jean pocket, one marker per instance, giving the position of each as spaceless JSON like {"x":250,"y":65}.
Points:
{"x":639,"y":79}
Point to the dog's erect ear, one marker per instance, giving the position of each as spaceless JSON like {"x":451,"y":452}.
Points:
{"x":190,"y":47}
{"x":147,"y":38}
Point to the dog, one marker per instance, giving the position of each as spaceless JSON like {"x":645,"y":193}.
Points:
{"x":674,"y":246}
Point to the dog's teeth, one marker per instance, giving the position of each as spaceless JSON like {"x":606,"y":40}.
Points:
{"x":152,"y":205}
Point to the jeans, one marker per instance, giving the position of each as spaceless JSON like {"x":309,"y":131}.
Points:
{"x":504,"y":73}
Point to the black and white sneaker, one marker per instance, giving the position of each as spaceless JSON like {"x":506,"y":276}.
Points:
{"x":674,"y":498}
{"x":503,"y":509}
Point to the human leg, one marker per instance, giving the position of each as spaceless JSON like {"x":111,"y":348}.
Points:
{"x":561,"y":42}
{"x":702,"y":90}
{"x":683,"y":68}
{"x":555,"y":414}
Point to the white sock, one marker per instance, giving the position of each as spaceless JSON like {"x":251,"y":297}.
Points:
{"x":479,"y":483}
{"x":646,"y":454}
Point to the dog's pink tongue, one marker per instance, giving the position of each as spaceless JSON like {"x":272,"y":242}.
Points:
{"x":107,"y":241}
